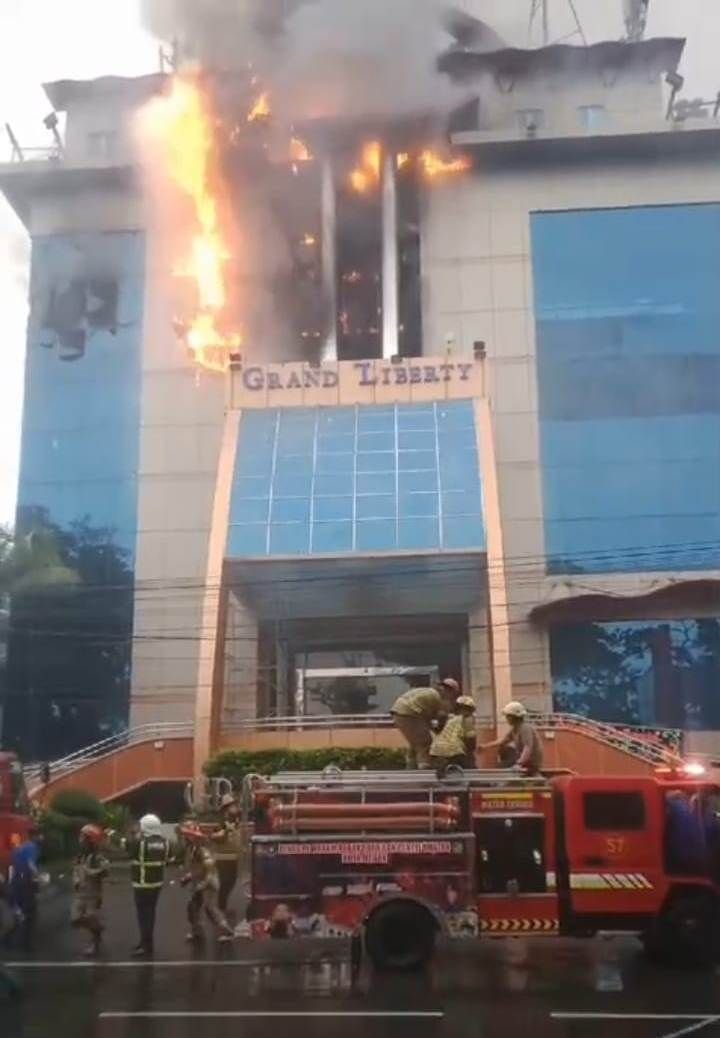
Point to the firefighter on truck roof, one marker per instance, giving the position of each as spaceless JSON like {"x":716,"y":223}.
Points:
{"x":413,"y":713}
{"x":455,"y":742}
{"x":520,"y":747}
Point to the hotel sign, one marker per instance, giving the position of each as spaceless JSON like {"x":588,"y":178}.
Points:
{"x":355,"y":382}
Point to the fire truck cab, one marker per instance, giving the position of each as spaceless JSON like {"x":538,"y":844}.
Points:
{"x":15,"y":820}
{"x":398,"y":857}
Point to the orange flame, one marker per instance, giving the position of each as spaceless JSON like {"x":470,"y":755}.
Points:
{"x":402,"y":159}
{"x":367,"y":173}
{"x":435,"y":165}
{"x":261,"y":108}
{"x":182,"y":125}
{"x":299,"y":151}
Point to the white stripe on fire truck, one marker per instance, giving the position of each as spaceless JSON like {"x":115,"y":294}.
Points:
{"x":612,"y":880}
{"x":642,"y":880}
{"x":609,"y":880}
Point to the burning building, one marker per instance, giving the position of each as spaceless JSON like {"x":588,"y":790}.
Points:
{"x":322,"y":402}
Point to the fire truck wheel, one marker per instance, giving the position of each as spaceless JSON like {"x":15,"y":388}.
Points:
{"x":400,"y":936}
{"x":685,"y":932}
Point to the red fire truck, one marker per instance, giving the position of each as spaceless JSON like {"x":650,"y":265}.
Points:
{"x":15,"y":821}
{"x":395,"y":858}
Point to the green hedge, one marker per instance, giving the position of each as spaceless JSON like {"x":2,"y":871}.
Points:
{"x":68,"y":812}
{"x":76,"y":803}
{"x":235,"y":764}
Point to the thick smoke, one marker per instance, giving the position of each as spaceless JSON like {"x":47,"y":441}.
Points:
{"x":347,"y":61}
{"x":324,"y":58}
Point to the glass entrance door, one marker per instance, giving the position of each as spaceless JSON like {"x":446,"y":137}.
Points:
{"x":356,"y":690}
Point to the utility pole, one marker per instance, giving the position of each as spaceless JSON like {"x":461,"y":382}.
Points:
{"x":545,"y":22}
{"x":635,"y":14}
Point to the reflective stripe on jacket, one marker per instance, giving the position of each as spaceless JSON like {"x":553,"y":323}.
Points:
{"x":150,"y":855}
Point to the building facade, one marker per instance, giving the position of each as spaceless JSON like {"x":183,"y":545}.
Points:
{"x":526,"y":496}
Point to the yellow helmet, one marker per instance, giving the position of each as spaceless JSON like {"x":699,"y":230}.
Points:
{"x":514,"y":709}
{"x":465,"y":701}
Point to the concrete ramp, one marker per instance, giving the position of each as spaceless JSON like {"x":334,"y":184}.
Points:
{"x":164,"y":753}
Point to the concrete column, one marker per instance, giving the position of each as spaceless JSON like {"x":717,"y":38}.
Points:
{"x":390,"y":295}
{"x":240,"y":671}
{"x":329,"y":258}
{"x":480,"y":663}
{"x":498,"y":598}
{"x":205,"y":708}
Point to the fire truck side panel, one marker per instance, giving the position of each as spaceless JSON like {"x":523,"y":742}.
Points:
{"x":326,"y":887}
{"x":516,"y":876}
{"x":15,"y":821}
{"x":613,"y":856}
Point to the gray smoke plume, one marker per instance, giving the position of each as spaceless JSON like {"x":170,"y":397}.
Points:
{"x":325,"y":58}
{"x":340,"y":60}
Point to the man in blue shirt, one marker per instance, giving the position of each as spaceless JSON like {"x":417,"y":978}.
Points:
{"x":24,"y":882}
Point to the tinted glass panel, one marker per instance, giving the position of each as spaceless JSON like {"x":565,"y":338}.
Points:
{"x":614,"y":811}
{"x":357,"y":479}
{"x":77,"y":495}
{"x":628,"y":360}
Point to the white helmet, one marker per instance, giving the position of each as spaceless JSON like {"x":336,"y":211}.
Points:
{"x":150,"y":825}
{"x":514,"y":709}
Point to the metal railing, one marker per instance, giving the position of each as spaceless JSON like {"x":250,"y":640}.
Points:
{"x":159,"y":730}
{"x":646,"y":744}
{"x":655,"y":746}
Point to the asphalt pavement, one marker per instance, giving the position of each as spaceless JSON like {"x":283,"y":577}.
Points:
{"x":514,"y":987}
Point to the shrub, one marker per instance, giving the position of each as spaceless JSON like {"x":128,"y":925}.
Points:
{"x":235,"y":764}
{"x":76,"y":803}
{"x":60,"y":824}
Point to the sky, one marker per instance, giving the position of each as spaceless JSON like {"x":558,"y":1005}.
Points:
{"x":44,"y":40}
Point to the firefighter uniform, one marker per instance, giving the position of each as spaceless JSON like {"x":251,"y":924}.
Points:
{"x":226,"y":846}
{"x":413,"y":712}
{"x":452,"y":744}
{"x":89,"y":871}
{"x":202,"y":876}
{"x":150,"y":854}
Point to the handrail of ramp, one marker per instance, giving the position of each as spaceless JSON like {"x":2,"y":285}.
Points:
{"x":159,"y":730}
{"x":655,"y":746}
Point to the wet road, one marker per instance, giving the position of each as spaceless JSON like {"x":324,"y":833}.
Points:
{"x":529,"y":988}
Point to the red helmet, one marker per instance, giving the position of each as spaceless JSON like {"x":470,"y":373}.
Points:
{"x":93,"y":834}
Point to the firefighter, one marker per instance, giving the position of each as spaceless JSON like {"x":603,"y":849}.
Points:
{"x":202,"y":876}
{"x":89,"y":871}
{"x":414,"y":712}
{"x":520,"y":747}
{"x":149,"y":853}
{"x":225,"y":849}
{"x":455,"y":742}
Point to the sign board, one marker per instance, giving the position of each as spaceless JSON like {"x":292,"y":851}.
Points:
{"x":338,"y":383}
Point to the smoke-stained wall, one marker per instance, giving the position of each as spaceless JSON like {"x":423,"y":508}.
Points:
{"x":72,"y":608}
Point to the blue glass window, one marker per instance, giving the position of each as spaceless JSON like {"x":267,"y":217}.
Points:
{"x":333,"y":508}
{"x":332,"y":537}
{"x":648,"y":672}
{"x":290,"y":510}
{"x":78,"y":492}
{"x":289,"y":538}
{"x":366,"y":479}
{"x":628,"y":359}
